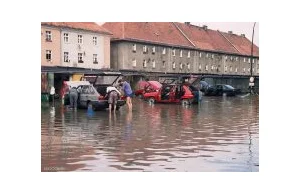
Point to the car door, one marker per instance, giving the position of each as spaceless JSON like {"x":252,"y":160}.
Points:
{"x":84,"y":94}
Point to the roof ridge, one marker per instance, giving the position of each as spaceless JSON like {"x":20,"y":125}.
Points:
{"x":183,"y":34}
{"x":229,"y":41}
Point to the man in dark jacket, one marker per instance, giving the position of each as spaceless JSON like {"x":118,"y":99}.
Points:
{"x":73,"y":93}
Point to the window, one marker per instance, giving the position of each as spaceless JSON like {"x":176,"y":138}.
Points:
{"x":164,"y":64}
{"x":244,"y":69}
{"x":199,"y":67}
{"x":144,"y":63}
{"x":153,"y":63}
{"x":66,"y":37}
{"x":206,"y":55}
{"x":48,"y":36}
{"x":231,"y":58}
{"x":181,"y":66}
{"x":80,"y":58}
{"x":253,"y":60}
{"x":173,"y":52}
{"x":95,"y":58}
{"x":236,"y":69}
{"x":66,"y":57}
{"x":226,"y":57}
{"x":144,"y":49}
{"x":249,"y":60}
{"x":237,"y":58}
{"x":212,"y":67}
{"x":225,"y":68}
{"x":230,"y":68}
{"x":180,"y":54}
{"x":200,"y":54}
{"x":95,"y":40}
{"x":153,"y":50}
{"x":244,"y":59}
{"x":189,"y":66}
{"x":212,"y":56}
{"x":133,"y":47}
{"x":48,"y":55}
{"x":174,"y":65}
{"x":206,"y":67}
{"x":80,"y":39}
{"x":164,"y":51}
{"x":189,"y":54}
{"x":133,"y":62}
{"x":249,"y":69}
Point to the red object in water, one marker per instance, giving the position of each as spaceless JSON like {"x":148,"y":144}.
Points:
{"x":147,"y":86}
{"x":170,"y":93}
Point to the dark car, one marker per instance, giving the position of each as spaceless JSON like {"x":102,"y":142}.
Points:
{"x":220,"y":89}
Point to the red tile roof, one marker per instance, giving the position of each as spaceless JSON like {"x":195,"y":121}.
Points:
{"x":155,"y":32}
{"x":90,"y":26}
{"x":207,"y":39}
{"x":242,"y":44}
{"x":180,"y":34}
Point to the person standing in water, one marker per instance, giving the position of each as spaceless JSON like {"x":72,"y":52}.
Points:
{"x":127,"y":91}
{"x":113,"y":96}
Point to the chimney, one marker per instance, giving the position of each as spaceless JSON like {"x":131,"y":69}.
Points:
{"x":242,"y":35}
{"x":187,"y":23}
{"x":205,"y":27}
{"x":229,"y":32}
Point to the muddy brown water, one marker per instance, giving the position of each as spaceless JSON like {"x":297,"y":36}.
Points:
{"x":220,"y":134}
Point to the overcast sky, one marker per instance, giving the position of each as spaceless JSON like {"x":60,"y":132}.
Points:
{"x":236,"y":28}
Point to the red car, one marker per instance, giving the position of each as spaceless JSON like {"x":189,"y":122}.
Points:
{"x":147,"y":86}
{"x":170,"y":93}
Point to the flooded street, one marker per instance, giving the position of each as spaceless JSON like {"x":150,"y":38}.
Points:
{"x":221,"y":134}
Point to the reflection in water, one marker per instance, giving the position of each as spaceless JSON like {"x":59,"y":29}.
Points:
{"x":220,"y":134}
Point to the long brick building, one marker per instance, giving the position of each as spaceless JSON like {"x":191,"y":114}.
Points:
{"x":172,"y":47}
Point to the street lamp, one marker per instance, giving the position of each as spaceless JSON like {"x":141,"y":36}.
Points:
{"x":251,"y":84}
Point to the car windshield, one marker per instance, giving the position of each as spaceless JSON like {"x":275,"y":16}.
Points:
{"x":229,"y":87}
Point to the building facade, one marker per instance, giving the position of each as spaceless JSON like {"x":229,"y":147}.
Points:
{"x":79,"y":46}
{"x":179,"y":48}
{"x":50,"y":46}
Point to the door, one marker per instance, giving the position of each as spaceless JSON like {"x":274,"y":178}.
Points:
{"x":83,"y":97}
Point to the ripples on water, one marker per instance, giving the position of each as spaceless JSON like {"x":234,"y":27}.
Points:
{"x":221,"y":134}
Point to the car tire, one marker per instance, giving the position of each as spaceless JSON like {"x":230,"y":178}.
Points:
{"x":151,"y":100}
{"x":140,"y":96}
{"x":185,"y":102}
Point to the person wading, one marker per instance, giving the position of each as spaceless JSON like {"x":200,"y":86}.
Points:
{"x":113,"y":96}
{"x":127,"y":91}
{"x":73,"y":93}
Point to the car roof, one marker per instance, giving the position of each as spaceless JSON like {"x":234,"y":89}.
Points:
{"x":77,"y":83}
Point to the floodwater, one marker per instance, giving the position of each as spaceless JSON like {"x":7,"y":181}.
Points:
{"x":220,"y":134}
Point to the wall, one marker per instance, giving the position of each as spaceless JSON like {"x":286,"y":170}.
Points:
{"x":87,"y":48}
{"x":53,"y":45}
{"x":122,"y":55}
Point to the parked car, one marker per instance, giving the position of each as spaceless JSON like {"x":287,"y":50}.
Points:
{"x":149,"y":86}
{"x":88,"y":96}
{"x":220,"y":89}
{"x":170,"y":93}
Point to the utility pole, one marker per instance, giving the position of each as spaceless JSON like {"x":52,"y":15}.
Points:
{"x":251,"y":83}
